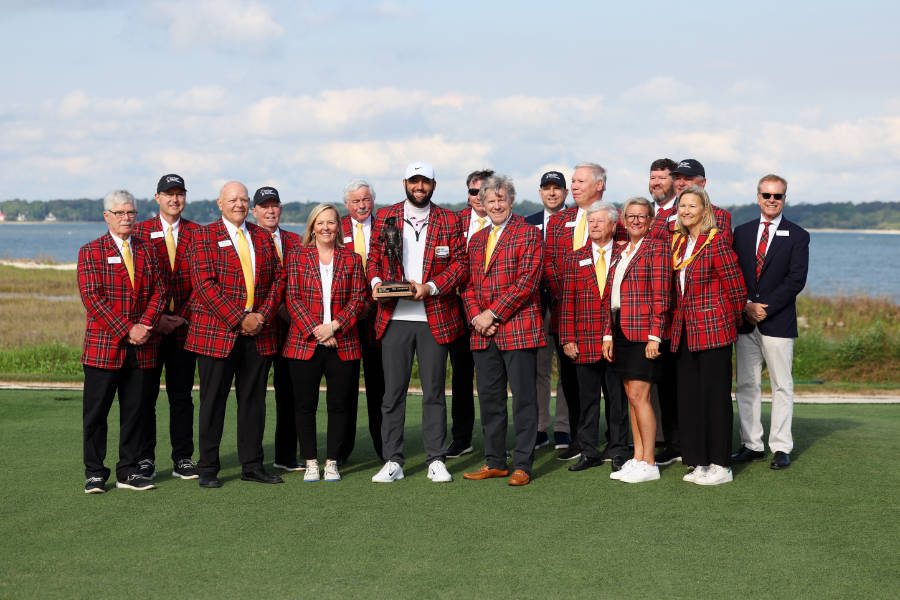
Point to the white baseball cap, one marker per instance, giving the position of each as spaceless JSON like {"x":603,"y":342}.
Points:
{"x":419,"y":168}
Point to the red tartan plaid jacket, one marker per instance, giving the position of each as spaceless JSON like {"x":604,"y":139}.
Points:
{"x":177,"y":280}
{"x":217,"y":305}
{"x":304,"y":301}
{"x":509,"y":288}
{"x":113,"y":306}
{"x":282,"y":322}
{"x":645,"y":292}
{"x":366,"y":317}
{"x":711,"y":307}
{"x":447,"y":269}
{"x":582,"y":318}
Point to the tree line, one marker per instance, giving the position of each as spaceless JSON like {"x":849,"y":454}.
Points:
{"x":837,"y":215}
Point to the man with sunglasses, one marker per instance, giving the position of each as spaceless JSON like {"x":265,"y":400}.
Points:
{"x":472,"y":219}
{"x":773,"y":254}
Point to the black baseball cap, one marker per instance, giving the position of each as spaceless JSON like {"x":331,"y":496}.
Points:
{"x":167,"y":182}
{"x":554,"y":177}
{"x":264,"y":194}
{"x":690,"y":167}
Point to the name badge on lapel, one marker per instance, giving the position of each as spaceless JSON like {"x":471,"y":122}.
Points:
{"x":570,"y":224}
{"x":157,"y":234}
{"x":224,"y":243}
{"x":348,"y":239}
{"x":783,"y":232}
{"x":442,"y":251}
{"x":585,"y":262}
{"x":540,"y":226}
{"x":114,"y":260}
{"x":672,"y":218}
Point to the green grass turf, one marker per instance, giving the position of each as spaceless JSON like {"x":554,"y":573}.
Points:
{"x":825,"y":528}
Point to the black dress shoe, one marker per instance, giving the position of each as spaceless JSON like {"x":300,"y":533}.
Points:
{"x":586,"y":462}
{"x":745,"y":455}
{"x":618,"y":462}
{"x":781,"y":460}
{"x":261,"y":476}
{"x":209,"y":481}
{"x":667,"y":456}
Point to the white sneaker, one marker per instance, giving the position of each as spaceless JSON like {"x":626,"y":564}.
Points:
{"x":312,"y":471}
{"x":331,"y":471}
{"x":629,"y":464}
{"x":692,"y":475}
{"x":715,"y":475}
{"x":640,"y":473}
{"x":390,"y":472}
{"x":438,"y":473}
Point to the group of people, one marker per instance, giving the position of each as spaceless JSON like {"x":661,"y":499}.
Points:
{"x":647,"y":299}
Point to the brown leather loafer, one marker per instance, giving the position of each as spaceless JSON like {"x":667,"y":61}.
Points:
{"x":519,"y":477}
{"x":485,"y":472}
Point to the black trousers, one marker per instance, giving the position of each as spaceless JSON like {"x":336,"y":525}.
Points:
{"x":180,"y":367}
{"x":249,"y":370}
{"x":100,"y":387}
{"x":594,"y":379}
{"x":667,"y":393}
{"x":495,"y":368}
{"x":462,"y":407}
{"x":373,"y":373}
{"x":568,"y":377}
{"x":705,"y":411}
{"x":285,"y":413}
{"x":342,"y":381}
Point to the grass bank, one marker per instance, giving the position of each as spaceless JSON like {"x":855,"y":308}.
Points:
{"x":849,"y":344}
{"x":821,"y":529}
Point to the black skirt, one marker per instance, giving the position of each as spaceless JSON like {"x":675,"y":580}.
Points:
{"x":630,"y":360}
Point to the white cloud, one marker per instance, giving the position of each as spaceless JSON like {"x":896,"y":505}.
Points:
{"x":247,"y":24}
{"x":201,"y":99}
{"x":656,"y":89}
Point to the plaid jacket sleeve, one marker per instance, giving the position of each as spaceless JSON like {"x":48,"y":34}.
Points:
{"x":582,"y":316}
{"x":723,"y":223}
{"x":710,"y":307}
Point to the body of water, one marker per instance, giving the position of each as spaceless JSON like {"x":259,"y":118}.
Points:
{"x":840,"y":263}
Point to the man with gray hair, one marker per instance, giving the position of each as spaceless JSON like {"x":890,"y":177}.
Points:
{"x":567,"y":231}
{"x":123,"y":296}
{"x":359,"y":198}
{"x":585,"y":280}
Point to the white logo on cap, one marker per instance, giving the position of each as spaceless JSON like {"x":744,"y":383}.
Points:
{"x":266,"y":192}
{"x":170,"y":179}
{"x":684,"y":163}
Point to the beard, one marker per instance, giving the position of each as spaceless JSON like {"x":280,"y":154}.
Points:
{"x":661,"y":197}
{"x":416,"y":203}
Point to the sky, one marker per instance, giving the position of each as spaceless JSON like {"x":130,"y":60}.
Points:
{"x":306,"y":96}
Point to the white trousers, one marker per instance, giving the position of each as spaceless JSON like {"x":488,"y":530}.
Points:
{"x":751,"y":350}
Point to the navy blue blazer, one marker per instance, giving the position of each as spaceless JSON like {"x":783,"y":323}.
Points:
{"x":782,"y":277}
{"x":537,"y":219}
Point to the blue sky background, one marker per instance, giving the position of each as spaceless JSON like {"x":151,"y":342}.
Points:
{"x":304,"y":96}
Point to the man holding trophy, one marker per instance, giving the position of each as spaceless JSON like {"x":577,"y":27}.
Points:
{"x":416,"y":261}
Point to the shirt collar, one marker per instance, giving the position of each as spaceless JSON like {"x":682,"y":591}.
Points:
{"x":165,"y":224}
{"x":232,"y":229}
{"x":666,"y":206}
{"x":366,"y":224}
{"x":776,"y":221}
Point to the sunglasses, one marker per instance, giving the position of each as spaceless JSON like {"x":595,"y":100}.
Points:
{"x":474,"y":191}
{"x":767,"y":195}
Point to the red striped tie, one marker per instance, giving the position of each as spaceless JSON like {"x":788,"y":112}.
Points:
{"x":761,"y":249}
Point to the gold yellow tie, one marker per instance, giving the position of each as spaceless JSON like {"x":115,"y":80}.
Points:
{"x":278,"y":249}
{"x":170,"y":248}
{"x":491,"y":244}
{"x":481,"y":223}
{"x":129,"y":262}
{"x":246,"y":266}
{"x":578,"y":237}
{"x":600,"y":270}
{"x":359,"y":244}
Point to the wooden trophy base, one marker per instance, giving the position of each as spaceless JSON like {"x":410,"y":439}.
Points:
{"x":394,"y":289}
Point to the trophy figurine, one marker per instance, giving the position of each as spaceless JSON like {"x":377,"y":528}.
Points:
{"x":393,"y":248}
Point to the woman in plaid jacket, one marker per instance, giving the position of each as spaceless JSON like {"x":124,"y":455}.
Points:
{"x":709,"y":293}
{"x":325,"y":293}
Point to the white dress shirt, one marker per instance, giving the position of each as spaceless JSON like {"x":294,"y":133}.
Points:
{"x":232,"y":233}
{"x":175,"y":227}
{"x":774,"y":225}
{"x":326,"y":273}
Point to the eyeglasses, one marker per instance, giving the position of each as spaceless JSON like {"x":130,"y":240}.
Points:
{"x":767,"y":195}
{"x":119,"y":214}
{"x":636,"y":217}
{"x":474,"y":191}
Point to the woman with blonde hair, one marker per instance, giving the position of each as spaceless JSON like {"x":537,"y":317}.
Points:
{"x":325,"y":292}
{"x":709,"y":297}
